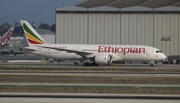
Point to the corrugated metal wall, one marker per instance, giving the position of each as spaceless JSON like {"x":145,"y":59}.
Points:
{"x":116,"y":28}
{"x":72,"y":28}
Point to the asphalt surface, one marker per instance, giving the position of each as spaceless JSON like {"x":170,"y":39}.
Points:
{"x":119,"y":74}
{"x":20,"y":57}
{"x":85,"y":98}
{"x":81,"y":85}
{"x":35,"y":61}
{"x":81,"y":100}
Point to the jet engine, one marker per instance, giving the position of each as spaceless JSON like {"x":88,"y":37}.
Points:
{"x":103,"y":59}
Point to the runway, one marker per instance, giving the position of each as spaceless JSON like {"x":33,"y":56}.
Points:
{"x":35,"y":61}
{"x":85,"y":98}
{"x":71,"y":65}
{"x":82,"y":100}
{"x":87,"y":85}
{"x":95,"y":73}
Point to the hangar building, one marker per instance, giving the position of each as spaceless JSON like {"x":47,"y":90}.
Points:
{"x":138,"y":22}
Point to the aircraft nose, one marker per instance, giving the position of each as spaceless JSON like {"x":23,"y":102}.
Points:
{"x":164,"y":56}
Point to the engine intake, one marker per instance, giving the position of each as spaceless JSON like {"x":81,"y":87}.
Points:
{"x":103,"y":59}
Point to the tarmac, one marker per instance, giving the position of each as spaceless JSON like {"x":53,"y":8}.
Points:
{"x":85,"y":98}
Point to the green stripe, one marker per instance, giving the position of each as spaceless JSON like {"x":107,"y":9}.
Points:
{"x":30,"y":32}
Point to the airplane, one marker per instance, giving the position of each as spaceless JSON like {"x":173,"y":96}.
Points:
{"x":6,"y":37}
{"x":91,"y":54}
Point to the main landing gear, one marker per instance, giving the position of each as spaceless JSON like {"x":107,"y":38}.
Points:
{"x":76,"y":62}
{"x":90,"y":64}
{"x":151,"y":64}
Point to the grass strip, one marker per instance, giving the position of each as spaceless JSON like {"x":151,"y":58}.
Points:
{"x":91,"y":90}
{"x":105,"y":87}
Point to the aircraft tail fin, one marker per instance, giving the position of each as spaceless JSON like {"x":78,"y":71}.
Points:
{"x":6,"y":37}
{"x":32,"y":36}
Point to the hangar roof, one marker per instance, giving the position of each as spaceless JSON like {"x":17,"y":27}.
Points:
{"x":124,"y":6}
{"x":129,"y":3}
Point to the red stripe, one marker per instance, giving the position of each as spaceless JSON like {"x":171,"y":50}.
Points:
{"x":34,"y":42}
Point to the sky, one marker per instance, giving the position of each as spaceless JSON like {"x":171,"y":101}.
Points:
{"x":36,"y":11}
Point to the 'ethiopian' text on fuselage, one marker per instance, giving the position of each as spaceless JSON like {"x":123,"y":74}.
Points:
{"x":123,"y":50}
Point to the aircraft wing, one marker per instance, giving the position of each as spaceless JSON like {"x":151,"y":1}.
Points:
{"x":81,"y":53}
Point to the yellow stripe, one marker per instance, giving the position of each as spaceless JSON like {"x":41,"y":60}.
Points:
{"x":32,"y":38}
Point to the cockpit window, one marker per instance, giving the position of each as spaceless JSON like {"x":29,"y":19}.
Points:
{"x":158,"y":51}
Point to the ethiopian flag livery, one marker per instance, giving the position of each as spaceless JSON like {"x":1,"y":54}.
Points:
{"x":31,"y":35}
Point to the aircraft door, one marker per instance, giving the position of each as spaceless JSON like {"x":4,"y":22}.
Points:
{"x":147,"y":51}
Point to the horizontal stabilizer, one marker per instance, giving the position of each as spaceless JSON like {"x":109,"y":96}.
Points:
{"x":28,"y":49}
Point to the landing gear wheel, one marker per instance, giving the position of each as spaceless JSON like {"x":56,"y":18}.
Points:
{"x":76,"y":63}
{"x":90,"y":64}
{"x":84,"y":64}
{"x":151,"y":65}
{"x":97,"y":65}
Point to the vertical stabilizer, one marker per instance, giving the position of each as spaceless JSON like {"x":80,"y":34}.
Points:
{"x":32,"y":36}
{"x":6,"y":37}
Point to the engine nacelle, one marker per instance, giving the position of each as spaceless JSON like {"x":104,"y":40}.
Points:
{"x":103,"y":59}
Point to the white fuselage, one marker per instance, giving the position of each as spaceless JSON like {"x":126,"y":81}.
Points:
{"x":119,"y":52}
